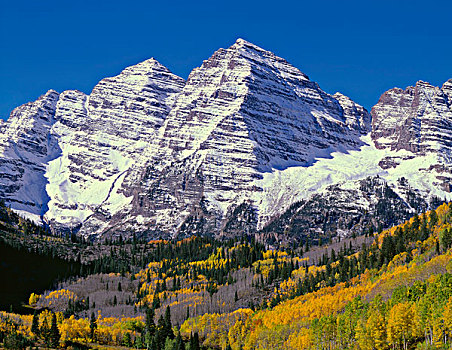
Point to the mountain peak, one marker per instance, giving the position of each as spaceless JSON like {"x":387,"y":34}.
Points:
{"x":145,"y":67}
{"x":148,"y":151}
{"x":414,"y":119}
{"x":421,"y":83}
{"x":242,"y":42}
{"x":51,"y":92}
{"x":447,"y":85}
{"x":246,"y":46}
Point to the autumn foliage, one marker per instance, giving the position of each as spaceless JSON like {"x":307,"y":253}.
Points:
{"x":393,"y":293}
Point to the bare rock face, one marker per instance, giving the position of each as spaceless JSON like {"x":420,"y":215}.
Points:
{"x":77,"y":148}
{"x":417,"y":120}
{"x":447,"y":89}
{"x":123,"y":115}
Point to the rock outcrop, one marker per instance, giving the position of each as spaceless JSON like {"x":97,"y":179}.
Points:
{"x":417,"y":120}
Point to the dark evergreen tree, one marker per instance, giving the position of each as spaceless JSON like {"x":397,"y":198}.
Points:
{"x":92,"y":325}
{"x":194,"y":342}
{"x":150,"y":324}
{"x":160,"y":335}
{"x":179,"y":345}
{"x":35,"y":324}
{"x":446,"y":239}
{"x":433,"y":218}
{"x":155,"y":301}
{"x":168,"y":326}
{"x":44,"y":331}
{"x":54,"y":333}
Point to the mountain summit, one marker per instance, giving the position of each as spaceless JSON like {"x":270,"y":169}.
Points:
{"x":228,"y":151}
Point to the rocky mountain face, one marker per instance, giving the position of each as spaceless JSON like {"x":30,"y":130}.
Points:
{"x":247,"y":144}
{"x":242,"y":113}
{"x":404,"y":168}
{"x":26,"y":148}
{"x":418,"y":120}
{"x":65,"y":155}
{"x":356,"y":207}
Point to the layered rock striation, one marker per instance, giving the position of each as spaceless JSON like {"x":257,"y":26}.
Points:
{"x":417,"y":120}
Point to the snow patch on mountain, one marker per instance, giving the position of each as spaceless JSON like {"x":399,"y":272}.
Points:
{"x":281,"y":188}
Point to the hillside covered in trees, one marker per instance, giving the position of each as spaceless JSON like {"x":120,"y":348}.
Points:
{"x":388,"y":289}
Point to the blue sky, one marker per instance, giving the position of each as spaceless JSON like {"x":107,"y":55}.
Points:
{"x":360,"y":48}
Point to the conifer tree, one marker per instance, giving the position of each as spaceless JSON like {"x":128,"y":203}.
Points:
{"x":150,"y":325}
{"x":168,"y":326}
{"x":92,"y":325}
{"x":160,"y":335}
{"x":54,"y":332}
{"x":35,"y":324}
{"x":44,"y":331}
{"x":179,"y":343}
{"x":194,"y":342}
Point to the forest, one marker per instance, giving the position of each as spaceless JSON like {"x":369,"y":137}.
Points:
{"x":387,"y":289}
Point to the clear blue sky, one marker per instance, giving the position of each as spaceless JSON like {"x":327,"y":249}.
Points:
{"x":360,"y":48}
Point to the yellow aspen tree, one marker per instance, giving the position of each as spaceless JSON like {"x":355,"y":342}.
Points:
{"x":362,"y":336}
{"x":33,"y":298}
{"x":447,"y":316}
{"x":438,"y":332}
{"x":400,"y":324}
{"x":377,"y":330}
{"x":301,"y":340}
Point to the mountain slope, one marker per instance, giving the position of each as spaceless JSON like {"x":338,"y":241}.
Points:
{"x":26,"y":148}
{"x":418,"y":120}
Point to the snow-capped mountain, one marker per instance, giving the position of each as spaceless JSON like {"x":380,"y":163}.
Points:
{"x":243,"y":113}
{"x":65,"y":155}
{"x":247,"y":138}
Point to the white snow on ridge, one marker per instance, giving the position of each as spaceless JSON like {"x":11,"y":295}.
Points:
{"x":281,"y":188}
{"x":29,"y":216}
